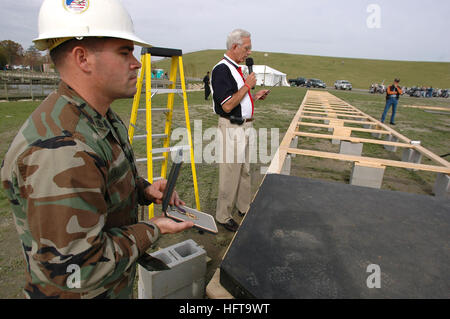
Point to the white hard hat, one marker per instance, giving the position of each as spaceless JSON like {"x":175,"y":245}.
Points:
{"x":61,"y":20}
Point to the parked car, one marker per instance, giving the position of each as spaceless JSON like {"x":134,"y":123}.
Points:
{"x":342,"y":85}
{"x":315,"y":83}
{"x":297,"y":82}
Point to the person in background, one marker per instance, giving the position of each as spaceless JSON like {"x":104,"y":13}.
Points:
{"x":393,"y":93}
{"x":207,"y":88}
{"x":233,"y":101}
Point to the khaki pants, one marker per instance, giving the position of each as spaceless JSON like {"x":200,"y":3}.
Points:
{"x":234,"y":171}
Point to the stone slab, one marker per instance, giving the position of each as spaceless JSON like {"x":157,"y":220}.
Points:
{"x":306,"y":238}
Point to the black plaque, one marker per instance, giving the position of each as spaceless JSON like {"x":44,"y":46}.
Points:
{"x":305,"y":238}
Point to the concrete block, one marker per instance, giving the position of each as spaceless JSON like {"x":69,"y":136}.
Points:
{"x":294,"y":144}
{"x":263,"y":170}
{"x":367,"y":175}
{"x":377,"y":135}
{"x":286,"y":170}
{"x":412,"y":156}
{"x":351,"y":148}
{"x":185,"y":279}
{"x":441,"y":187}
{"x":391,"y":138}
{"x":406,"y":155}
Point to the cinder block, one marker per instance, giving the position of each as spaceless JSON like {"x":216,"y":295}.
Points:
{"x":406,"y":155}
{"x":185,"y":279}
{"x":412,"y":156}
{"x":441,"y":187}
{"x":286,"y":170}
{"x":294,"y":144}
{"x":367,"y":175}
{"x":391,"y":138}
{"x":350,"y":148}
{"x":377,"y":135}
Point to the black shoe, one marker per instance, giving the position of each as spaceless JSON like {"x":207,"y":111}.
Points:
{"x":392,"y":123}
{"x":231,"y":225}
{"x":241,"y":213}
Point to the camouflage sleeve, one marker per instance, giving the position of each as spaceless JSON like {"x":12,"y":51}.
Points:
{"x":62,"y":185}
{"x":142,"y":184}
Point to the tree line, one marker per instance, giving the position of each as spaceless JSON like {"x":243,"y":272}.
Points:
{"x":13,"y":54}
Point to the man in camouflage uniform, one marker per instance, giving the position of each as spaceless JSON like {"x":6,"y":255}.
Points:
{"x":71,"y":179}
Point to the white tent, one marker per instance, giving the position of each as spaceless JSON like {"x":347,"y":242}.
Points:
{"x":265,"y":75}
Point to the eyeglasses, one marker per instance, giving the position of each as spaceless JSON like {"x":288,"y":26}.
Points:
{"x":246,"y":48}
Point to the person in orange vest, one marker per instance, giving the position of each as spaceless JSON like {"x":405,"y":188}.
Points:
{"x":393,"y":93}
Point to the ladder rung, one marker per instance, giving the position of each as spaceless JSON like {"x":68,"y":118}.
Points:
{"x":162,"y":150}
{"x":157,"y":178}
{"x":169,"y":149}
{"x":165,"y":91}
{"x":156,"y":110}
{"x":155,"y":158}
{"x":143,"y":137}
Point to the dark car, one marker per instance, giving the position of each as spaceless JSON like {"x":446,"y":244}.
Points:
{"x":315,"y":83}
{"x":297,"y":82}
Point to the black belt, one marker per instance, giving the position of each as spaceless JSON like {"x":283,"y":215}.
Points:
{"x":238,"y":120}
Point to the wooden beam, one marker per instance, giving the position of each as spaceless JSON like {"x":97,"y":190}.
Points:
{"x":354,"y":139}
{"x":370,"y":160}
{"x":277,"y":162}
{"x":332,"y":107}
{"x":330,"y":110}
{"x":341,"y":115}
{"x":431,"y":155}
{"x":344,"y":120}
{"x":214,"y":290}
{"x":356,"y":129}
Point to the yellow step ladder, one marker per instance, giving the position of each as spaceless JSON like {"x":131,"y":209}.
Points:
{"x":145,"y":74}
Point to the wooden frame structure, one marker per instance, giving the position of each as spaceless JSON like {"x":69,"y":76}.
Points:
{"x":337,"y":115}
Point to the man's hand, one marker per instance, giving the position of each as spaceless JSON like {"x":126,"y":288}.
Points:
{"x":166,"y":225}
{"x":169,"y":226}
{"x":155,"y":192}
{"x":251,"y":80}
{"x":261,"y":95}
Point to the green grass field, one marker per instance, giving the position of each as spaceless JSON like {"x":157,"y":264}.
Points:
{"x":361,"y":72}
{"x":433,"y":130}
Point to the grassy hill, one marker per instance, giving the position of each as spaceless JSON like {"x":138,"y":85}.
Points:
{"x":361,"y":72}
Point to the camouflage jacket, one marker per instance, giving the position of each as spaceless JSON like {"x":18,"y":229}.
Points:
{"x":71,"y":179}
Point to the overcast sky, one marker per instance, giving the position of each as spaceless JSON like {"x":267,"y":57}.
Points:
{"x":413,"y":30}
